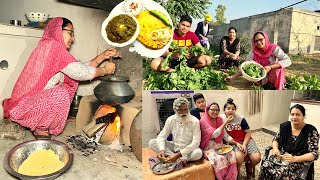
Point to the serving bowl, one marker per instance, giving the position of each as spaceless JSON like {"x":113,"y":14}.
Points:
{"x":105,"y":36}
{"x":15,"y":157}
{"x":133,"y":7}
{"x":249,"y":78}
{"x":37,"y":16}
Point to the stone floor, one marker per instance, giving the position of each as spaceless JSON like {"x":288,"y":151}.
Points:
{"x":103,"y":164}
{"x":263,"y":140}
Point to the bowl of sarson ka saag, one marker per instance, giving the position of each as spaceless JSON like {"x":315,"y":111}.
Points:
{"x":120,"y":30}
{"x":252,"y":71}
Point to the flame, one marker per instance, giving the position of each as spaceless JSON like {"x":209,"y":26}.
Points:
{"x":117,"y":121}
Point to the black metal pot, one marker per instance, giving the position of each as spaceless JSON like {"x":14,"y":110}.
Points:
{"x":114,"y":90}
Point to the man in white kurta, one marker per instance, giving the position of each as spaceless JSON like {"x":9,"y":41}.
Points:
{"x":186,"y":133}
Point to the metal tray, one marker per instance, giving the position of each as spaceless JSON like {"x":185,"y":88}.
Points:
{"x":163,"y":168}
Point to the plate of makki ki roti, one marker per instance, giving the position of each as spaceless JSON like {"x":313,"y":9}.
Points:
{"x":154,"y":26}
{"x":224,"y":149}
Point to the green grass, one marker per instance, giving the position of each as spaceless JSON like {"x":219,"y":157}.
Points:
{"x":299,"y":58}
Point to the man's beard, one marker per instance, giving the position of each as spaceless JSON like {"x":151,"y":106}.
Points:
{"x":182,"y":117}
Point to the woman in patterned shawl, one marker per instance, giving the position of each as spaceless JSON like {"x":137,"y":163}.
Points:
{"x":43,"y":93}
{"x":271,"y":57}
{"x":229,"y":50}
{"x":295,"y":145}
{"x":212,"y":133}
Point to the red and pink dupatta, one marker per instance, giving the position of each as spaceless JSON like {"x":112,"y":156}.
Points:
{"x":48,"y":58}
{"x":275,"y":76}
{"x":207,"y":128}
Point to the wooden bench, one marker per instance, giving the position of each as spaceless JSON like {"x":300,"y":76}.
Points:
{"x":198,"y":170}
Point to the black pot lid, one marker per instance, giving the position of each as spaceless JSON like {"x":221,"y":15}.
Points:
{"x":114,"y":78}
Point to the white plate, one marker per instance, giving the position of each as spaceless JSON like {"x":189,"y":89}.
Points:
{"x":224,"y":152}
{"x":137,"y":46}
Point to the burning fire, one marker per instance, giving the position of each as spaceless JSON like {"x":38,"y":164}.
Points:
{"x":117,"y":121}
{"x":112,"y":131}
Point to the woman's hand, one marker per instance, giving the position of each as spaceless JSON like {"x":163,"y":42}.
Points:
{"x":267,"y":68}
{"x":288,"y":157}
{"x":111,"y":52}
{"x":276,"y":152}
{"x":109,"y":68}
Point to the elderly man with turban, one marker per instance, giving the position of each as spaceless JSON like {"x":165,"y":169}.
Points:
{"x":186,"y":133}
{"x":203,"y":30}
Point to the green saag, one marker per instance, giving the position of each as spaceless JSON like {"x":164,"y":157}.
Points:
{"x":253,"y":70}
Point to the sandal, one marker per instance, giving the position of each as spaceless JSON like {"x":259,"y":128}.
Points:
{"x":41,"y":136}
{"x":228,"y":79}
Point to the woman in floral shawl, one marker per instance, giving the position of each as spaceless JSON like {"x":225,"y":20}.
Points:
{"x":43,"y":93}
{"x":271,"y":57}
{"x":296,"y":144}
{"x":212,"y":133}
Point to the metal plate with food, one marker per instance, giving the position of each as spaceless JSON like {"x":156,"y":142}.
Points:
{"x":224,"y":149}
{"x":280,"y":161}
{"x":154,"y":24}
{"x":163,"y":167}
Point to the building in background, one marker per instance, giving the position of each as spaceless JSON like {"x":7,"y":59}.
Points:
{"x":294,"y":30}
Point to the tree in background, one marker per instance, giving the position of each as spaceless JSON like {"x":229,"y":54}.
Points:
{"x":176,"y":8}
{"x":220,"y":19}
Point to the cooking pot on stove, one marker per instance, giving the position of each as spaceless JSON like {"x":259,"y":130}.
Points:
{"x":113,"y":90}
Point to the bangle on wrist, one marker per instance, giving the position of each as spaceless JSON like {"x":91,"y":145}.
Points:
{"x":104,"y":71}
{"x":270,"y":66}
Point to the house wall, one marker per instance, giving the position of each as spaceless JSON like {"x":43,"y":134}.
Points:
{"x":304,"y":31}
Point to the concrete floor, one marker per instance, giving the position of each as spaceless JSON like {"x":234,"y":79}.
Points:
{"x":103,"y":164}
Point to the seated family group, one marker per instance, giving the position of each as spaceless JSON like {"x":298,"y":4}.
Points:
{"x":202,"y":132}
{"x":270,"y":56}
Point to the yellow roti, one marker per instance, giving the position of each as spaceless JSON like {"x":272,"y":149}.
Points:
{"x":154,"y":33}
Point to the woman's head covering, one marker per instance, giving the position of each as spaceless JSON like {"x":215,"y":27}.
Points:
{"x":48,"y":58}
{"x":207,"y":129}
{"x":260,"y":58}
{"x":207,"y":17}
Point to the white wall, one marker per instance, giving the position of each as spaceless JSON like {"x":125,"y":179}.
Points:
{"x":87,"y":24}
{"x":276,"y":106}
{"x":312,"y":113}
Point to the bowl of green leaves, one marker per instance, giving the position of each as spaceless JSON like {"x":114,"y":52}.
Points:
{"x":252,"y":71}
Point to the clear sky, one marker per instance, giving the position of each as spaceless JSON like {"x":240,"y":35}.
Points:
{"x":236,"y":9}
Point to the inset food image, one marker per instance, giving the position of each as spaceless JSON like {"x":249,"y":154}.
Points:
{"x":155,"y":29}
{"x":121,"y":28}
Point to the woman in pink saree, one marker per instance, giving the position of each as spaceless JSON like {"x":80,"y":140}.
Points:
{"x":43,"y":93}
{"x":271,"y":57}
{"x":212,"y":133}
